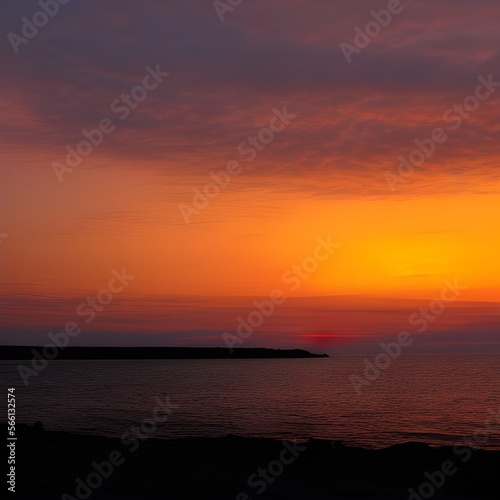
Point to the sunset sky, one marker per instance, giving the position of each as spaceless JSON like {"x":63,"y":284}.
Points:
{"x":325,"y":174}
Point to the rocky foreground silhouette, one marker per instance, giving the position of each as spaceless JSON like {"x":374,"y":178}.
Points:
{"x":53,"y":465}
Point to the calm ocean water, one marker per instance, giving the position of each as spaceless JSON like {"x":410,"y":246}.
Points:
{"x":435,"y":399}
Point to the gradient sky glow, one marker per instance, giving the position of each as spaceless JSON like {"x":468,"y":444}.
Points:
{"x":324,"y":174}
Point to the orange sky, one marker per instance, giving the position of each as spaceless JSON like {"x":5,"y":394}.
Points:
{"x":68,"y":237}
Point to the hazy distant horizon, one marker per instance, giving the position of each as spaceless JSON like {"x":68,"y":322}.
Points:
{"x":334,"y":325}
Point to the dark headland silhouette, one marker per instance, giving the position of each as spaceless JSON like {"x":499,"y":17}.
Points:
{"x":28,"y":352}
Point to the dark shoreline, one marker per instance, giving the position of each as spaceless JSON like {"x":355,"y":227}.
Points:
{"x":12,"y":353}
{"x":48,"y":464}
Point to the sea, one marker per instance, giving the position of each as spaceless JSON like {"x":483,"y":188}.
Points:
{"x":436,"y":399}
